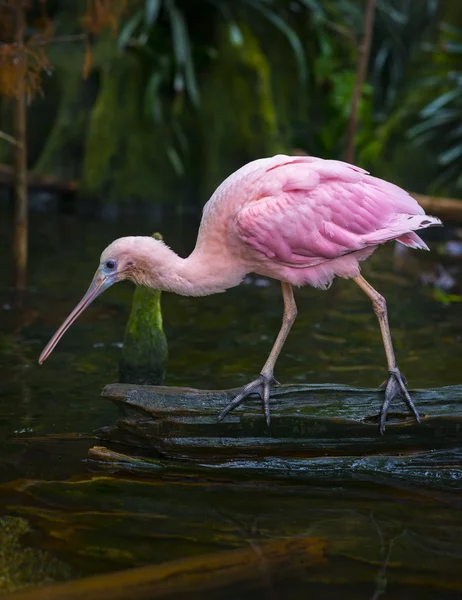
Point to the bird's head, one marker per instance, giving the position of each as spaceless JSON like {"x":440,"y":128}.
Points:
{"x":133,"y":258}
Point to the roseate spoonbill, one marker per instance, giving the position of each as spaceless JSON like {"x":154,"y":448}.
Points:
{"x":301,"y":220}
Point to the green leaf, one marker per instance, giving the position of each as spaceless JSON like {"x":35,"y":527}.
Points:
{"x":151,"y":11}
{"x":315,"y":7}
{"x":453,"y":47}
{"x":180,"y":37}
{"x":191,"y":81}
{"x":176,"y":161}
{"x":235,"y":34}
{"x":457,"y":132}
{"x":450,"y":155}
{"x":438,"y":103}
{"x":151,"y":98}
{"x":291,"y":36}
{"x":394,"y":14}
{"x":128,"y":30}
{"x":440,"y":118}
{"x":180,"y":136}
{"x":185,"y":75}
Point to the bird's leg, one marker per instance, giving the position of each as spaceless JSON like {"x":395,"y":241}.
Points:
{"x":395,"y":385}
{"x":261,"y":385}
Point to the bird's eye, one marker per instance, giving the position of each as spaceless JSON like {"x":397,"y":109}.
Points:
{"x":110,"y":265}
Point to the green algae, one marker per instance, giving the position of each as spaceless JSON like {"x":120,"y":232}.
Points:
{"x":22,"y":566}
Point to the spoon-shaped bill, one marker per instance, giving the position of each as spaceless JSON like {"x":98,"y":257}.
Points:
{"x":100,"y":283}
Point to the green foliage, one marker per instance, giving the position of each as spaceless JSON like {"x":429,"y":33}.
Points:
{"x":400,"y":27}
{"x":192,"y":89}
{"x":179,"y":43}
{"x":124,"y":157}
{"x":415,"y":75}
{"x":246,"y":124}
{"x":440,"y":117}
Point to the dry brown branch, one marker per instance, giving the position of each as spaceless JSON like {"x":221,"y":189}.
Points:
{"x":21,"y":67}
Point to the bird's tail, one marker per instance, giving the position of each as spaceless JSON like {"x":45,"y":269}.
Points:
{"x":412,"y":240}
{"x":402,"y":230}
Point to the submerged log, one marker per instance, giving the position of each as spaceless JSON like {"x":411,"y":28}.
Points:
{"x":308,"y":422}
{"x":352,"y":534}
{"x":246,"y":566}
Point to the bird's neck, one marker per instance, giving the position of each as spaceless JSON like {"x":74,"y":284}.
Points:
{"x":202,"y":273}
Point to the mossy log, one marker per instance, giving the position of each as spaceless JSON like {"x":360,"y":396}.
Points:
{"x":324,"y":428}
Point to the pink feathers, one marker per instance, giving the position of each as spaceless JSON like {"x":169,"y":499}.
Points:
{"x":300,"y":213}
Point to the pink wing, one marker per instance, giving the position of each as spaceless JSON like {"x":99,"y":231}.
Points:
{"x":308,"y":211}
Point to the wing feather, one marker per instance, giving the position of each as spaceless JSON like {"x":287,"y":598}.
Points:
{"x":306,"y":212}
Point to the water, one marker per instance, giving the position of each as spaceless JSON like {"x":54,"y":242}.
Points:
{"x":215,"y":342}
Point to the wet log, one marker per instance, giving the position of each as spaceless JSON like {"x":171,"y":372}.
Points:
{"x":308,"y":421}
{"x":438,"y":470}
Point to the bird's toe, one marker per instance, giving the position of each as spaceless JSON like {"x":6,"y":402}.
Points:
{"x":395,"y":387}
{"x":261,"y":386}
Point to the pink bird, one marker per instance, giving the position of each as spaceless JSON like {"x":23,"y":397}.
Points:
{"x":301,"y":220}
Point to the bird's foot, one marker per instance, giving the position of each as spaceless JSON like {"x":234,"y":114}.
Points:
{"x":395,"y":387}
{"x":260,"y":386}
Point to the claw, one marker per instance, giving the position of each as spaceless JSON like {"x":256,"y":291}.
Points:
{"x":395,"y":386}
{"x":260,"y":386}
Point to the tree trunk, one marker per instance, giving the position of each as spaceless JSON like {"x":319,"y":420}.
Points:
{"x":20,"y":165}
{"x":361,"y":71}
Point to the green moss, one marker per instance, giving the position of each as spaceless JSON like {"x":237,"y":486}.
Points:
{"x":102,"y":139}
{"x":246,"y":124}
{"x":145,"y":345}
{"x":22,"y":566}
{"x":65,"y":141}
{"x":124,"y":157}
